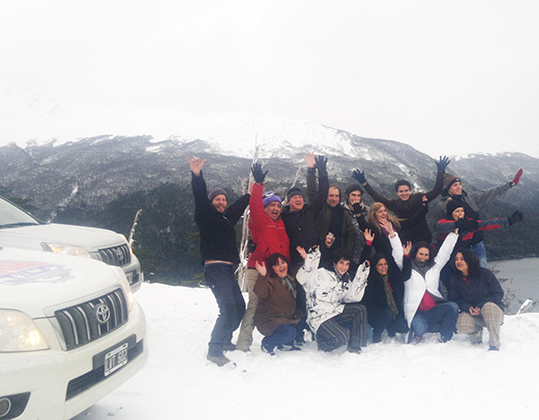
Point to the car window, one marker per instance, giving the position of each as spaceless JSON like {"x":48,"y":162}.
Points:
{"x":12,"y":216}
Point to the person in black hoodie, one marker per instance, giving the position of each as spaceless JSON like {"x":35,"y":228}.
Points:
{"x":219,"y":252}
{"x":480,"y":298}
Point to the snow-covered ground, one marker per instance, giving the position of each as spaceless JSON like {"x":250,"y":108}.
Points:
{"x":388,"y":380}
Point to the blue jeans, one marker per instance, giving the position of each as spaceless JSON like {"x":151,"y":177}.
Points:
{"x":283,"y":334}
{"x":220,"y":279}
{"x":479,"y":250}
{"x":442,"y":318}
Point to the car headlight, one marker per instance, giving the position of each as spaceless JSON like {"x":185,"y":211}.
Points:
{"x":65,"y":250}
{"x":18,"y":332}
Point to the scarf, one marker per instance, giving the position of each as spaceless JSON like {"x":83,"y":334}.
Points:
{"x":288,"y":282}
{"x":422,"y":266}
{"x":389,"y":295}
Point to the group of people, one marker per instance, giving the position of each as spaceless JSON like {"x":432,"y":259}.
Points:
{"x":345,"y":271}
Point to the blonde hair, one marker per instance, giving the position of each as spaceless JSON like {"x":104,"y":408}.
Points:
{"x":373,"y":219}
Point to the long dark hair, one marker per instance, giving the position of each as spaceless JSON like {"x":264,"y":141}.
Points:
{"x":272,"y":260}
{"x":471,"y":259}
{"x":375,"y":259}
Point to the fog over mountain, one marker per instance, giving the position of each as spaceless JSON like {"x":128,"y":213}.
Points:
{"x":104,"y":178}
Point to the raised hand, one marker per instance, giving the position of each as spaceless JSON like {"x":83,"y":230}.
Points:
{"x":516,"y":217}
{"x":321,"y":162}
{"x":196,"y":164}
{"x":369,"y":236}
{"x":261,"y":268}
{"x":309,"y":159}
{"x":387,"y":225}
{"x":301,"y":251}
{"x":442,"y":163}
{"x":359,"y":176}
{"x":407,"y":248}
{"x":258,"y":175}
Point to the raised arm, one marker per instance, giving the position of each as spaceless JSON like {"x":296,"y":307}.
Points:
{"x":439,"y":184}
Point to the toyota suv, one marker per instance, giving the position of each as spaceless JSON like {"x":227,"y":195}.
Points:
{"x":70,"y":333}
{"x":19,"y":229}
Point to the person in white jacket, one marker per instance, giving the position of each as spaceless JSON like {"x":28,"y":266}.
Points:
{"x":425,"y":309}
{"x":333,"y":312}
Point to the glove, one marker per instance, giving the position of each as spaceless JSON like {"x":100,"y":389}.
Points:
{"x":466,"y":225}
{"x":321,"y":162}
{"x":516,"y":179}
{"x":356,"y":207}
{"x":258,"y":175}
{"x":359,"y":176}
{"x":442,"y":163}
{"x":516,"y":218}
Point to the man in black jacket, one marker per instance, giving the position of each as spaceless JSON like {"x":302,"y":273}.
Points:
{"x":299,"y":217}
{"x":219,"y":253}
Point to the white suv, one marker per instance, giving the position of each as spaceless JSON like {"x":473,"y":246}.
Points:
{"x":19,"y":229}
{"x":70,"y":333}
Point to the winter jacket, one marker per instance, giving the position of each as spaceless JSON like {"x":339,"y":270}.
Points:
{"x":268,"y":235}
{"x":375,"y":298}
{"x":471,"y":201}
{"x":301,"y":225}
{"x":346,"y":233}
{"x":217,"y":233}
{"x":326,"y":292}
{"x":276,"y":305}
{"x":476,"y":290}
{"x":360,"y":238}
{"x":416,"y":286}
{"x":409,"y":208}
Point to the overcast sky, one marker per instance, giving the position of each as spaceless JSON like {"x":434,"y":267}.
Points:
{"x":445,"y":77}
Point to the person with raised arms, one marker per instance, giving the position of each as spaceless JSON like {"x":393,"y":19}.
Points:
{"x":219,"y":252}
{"x":408,"y":204}
{"x":334,"y":313}
{"x":268,"y":233}
{"x":425,"y":309}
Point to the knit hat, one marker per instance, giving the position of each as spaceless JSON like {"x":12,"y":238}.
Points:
{"x":269,"y":197}
{"x":450,"y":179}
{"x":293,"y":192}
{"x":452,"y":205}
{"x":215,"y":192}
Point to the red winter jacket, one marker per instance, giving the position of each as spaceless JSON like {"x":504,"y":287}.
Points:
{"x":269,"y":236}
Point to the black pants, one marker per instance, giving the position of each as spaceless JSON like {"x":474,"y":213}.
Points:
{"x":384,"y":318}
{"x":220,"y":278}
{"x":348,"y":328}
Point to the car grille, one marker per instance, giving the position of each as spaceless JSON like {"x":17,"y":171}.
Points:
{"x":117,"y":255}
{"x":84,"y":323}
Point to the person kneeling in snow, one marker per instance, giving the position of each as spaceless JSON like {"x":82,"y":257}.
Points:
{"x":425,"y":309}
{"x":276,"y":315}
{"x":333,"y":312}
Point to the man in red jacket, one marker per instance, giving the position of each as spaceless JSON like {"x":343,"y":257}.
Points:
{"x":269,"y":235}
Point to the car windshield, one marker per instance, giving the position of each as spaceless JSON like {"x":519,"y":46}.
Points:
{"x":12,"y":216}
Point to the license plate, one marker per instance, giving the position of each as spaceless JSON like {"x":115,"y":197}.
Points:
{"x":115,"y":359}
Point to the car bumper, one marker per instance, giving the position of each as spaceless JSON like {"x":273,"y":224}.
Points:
{"x":61,"y":384}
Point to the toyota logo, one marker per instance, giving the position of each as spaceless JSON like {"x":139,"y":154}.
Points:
{"x":102,"y":312}
{"x":119,"y":253}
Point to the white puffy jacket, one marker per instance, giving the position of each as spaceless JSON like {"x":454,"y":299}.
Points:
{"x":416,"y":285}
{"x":326,"y":293}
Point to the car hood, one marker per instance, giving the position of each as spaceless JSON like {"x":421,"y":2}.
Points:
{"x":88,"y":238}
{"x":32,"y":281}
